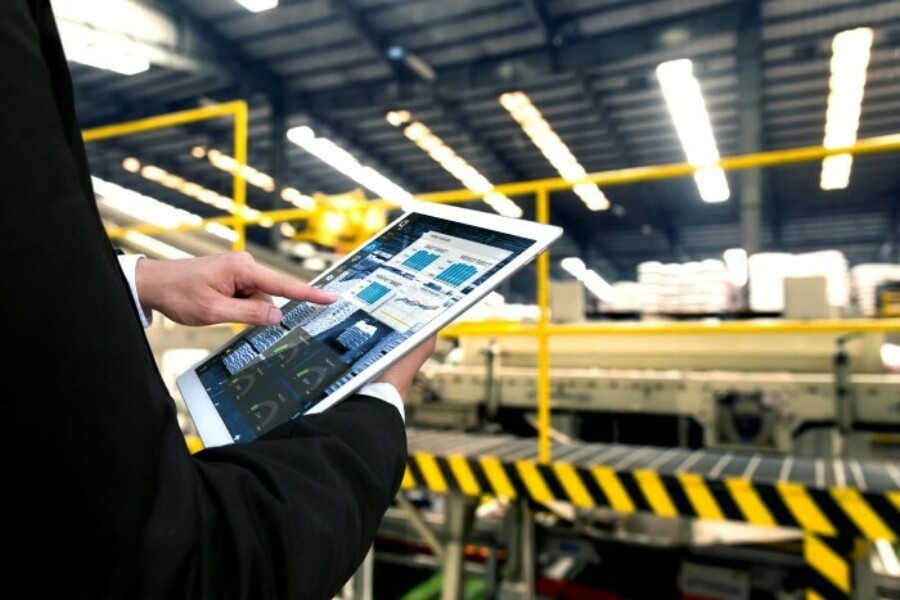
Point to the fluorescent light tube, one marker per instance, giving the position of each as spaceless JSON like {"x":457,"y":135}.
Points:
{"x":258,"y":5}
{"x":851,"y":51}
{"x":529,"y":118}
{"x":154,"y":246}
{"x":590,"y":278}
{"x":575,"y":266}
{"x":341,"y":160}
{"x":142,"y":208}
{"x":100,"y":49}
{"x":687,"y":108}
{"x":419,"y":133}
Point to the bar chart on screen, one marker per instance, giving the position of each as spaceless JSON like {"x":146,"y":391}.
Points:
{"x":447,"y":260}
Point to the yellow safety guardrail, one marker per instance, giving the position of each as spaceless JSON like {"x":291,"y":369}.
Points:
{"x":830,"y":517}
{"x":236,"y":109}
{"x":760,"y":326}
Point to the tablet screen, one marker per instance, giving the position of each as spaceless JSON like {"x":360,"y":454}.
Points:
{"x":387,"y":290}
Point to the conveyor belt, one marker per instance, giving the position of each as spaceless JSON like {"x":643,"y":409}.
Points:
{"x":858,"y":498}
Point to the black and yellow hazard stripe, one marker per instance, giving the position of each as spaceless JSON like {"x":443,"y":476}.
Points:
{"x":826,"y":512}
{"x":830,"y":567}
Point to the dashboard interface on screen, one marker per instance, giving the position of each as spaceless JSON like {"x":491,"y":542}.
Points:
{"x":386,"y":292}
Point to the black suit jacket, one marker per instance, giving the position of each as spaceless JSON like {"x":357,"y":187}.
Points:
{"x":101,"y":498}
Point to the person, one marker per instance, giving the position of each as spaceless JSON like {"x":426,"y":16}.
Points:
{"x":102,"y":499}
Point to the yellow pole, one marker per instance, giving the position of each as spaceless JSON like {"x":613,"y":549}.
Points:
{"x":241,"y":133}
{"x":542,"y":210}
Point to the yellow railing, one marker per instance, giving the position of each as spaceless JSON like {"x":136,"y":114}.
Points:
{"x":237,"y":110}
{"x":711,"y":327}
{"x":541,"y":190}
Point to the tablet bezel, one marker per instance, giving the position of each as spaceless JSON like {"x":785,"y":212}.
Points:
{"x":209,"y":424}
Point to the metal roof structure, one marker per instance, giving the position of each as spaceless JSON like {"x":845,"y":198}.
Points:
{"x":589,"y":65}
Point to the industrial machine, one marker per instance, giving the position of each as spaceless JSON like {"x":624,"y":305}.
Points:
{"x":812,"y":394}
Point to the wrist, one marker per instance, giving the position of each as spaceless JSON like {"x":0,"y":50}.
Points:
{"x":146,"y":283}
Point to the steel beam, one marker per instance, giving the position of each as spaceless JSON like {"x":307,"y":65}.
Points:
{"x":542,"y":21}
{"x":376,"y":42}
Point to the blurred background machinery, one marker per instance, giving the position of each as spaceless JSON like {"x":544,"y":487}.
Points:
{"x":781,"y":392}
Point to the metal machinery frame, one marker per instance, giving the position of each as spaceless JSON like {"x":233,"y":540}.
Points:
{"x":832,"y":503}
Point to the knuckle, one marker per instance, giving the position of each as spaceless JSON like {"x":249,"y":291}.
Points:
{"x":241,"y":257}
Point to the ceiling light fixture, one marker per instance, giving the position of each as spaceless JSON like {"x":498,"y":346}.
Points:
{"x":132,"y":165}
{"x":102,"y":49}
{"x":253,"y":176}
{"x":150,"y":210}
{"x":298,"y":198}
{"x":155,"y":247}
{"x":444,"y":155}
{"x":398,"y":117}
{"x":229,"y":164}
{"x":141,"y":207}
{"x":341,"y":160}
{"x":191,"y":189}
{"x":258,"y":5}
{"x":687,"y":108}
{"x":851,"y":51}
{"x":592,"y":280}
{"x":99,"y":33}
{"x":526,"y":114}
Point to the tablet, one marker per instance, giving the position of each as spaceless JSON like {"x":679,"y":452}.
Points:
{"x":396,"y":290}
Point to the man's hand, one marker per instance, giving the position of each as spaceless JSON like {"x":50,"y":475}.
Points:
{"x":402,"y":372}
{"x":221,"y":288}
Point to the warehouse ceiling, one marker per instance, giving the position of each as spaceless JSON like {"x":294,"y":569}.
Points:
{"x":589,"y":66}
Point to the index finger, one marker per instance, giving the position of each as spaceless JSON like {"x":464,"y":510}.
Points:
{"x":276,"y":284}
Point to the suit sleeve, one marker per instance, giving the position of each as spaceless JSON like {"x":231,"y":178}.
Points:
{"x":290,"y":516}
{"x":102,"y":498}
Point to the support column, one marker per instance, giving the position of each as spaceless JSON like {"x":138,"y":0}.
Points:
{"x":459,"y":511}
{"x":892,"y":251}
{"x":519,"y":577}
{"x":277,"y":156}
{"x":360,"y":585}
{"x":750,"y":115}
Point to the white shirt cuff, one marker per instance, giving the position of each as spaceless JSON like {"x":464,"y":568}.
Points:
{"x":128,"y":264}
{"x":386,"y":392}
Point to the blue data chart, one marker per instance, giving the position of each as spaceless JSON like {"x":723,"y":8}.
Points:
{"x":420,"y":260}
{"x":457,"y":273}
{"x":373,"y":292}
